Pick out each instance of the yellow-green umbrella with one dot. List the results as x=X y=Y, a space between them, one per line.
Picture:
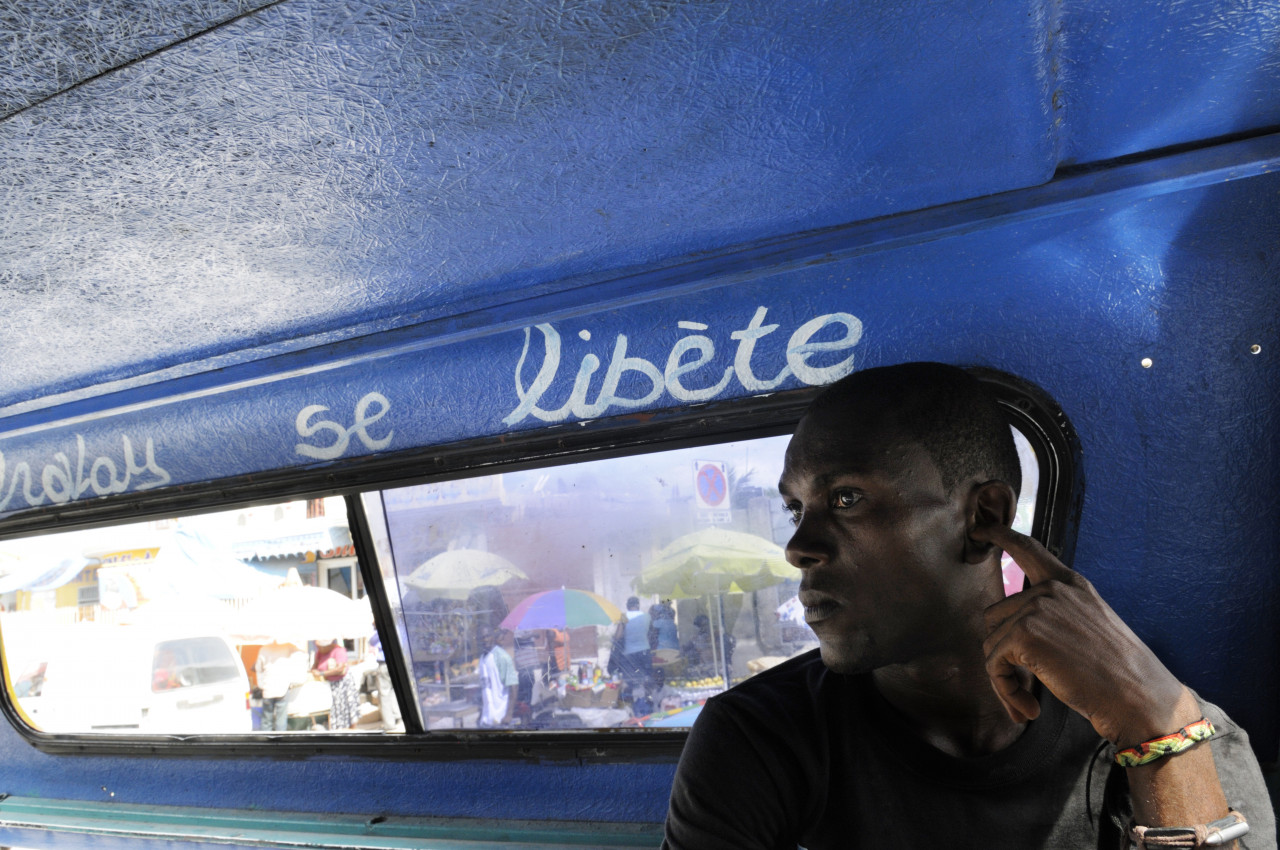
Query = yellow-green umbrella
x=715 y=561
x=712 y=562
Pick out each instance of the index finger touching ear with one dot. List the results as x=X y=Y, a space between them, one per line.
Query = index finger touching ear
x=1036 y=561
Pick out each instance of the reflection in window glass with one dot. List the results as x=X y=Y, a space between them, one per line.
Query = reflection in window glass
x=611 y=593
x=1025 y=516
x=233 y=622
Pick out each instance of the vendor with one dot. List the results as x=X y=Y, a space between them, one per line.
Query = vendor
x=633 y=634
x=331 y=665
x=662 y=628
x=498 y=680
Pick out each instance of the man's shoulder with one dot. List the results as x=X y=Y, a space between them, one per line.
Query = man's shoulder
x=802 y=667
x=795 y=686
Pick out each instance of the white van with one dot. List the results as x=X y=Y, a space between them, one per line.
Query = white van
x=136 y=680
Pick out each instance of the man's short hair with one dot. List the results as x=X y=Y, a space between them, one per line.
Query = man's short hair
x=633 y=603
x=942 y=408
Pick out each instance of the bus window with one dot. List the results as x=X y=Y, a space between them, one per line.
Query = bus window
x=235 y=622
x=1024 y=519
x=606 y=593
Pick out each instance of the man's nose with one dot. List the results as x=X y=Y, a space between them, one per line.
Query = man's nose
x=806 y=549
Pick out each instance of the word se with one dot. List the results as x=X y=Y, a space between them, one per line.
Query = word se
x=307 y=429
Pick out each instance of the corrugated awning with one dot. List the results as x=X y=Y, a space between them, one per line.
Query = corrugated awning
x=298 y=542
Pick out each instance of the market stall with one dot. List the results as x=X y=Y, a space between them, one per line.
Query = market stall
x=585 y=692
x=711 y=563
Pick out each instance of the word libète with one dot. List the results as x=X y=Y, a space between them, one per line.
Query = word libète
x=677 y=375
x=61 y=482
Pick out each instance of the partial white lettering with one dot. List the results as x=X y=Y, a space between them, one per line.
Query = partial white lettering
x=61 y=482
x=542 y=382
x=675 y=369
x=799 y=348
x=747 y=338
x=336 y=446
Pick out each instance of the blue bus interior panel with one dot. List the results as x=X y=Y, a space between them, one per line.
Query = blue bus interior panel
x=362 y=165
x=240 y=238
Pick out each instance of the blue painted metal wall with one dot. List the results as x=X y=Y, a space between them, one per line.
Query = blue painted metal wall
x=373 y=210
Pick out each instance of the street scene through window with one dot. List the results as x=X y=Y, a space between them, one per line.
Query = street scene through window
x=609 y=593
x=242 y=621
x=617 y=593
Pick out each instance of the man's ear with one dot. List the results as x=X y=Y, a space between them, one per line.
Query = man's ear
x=989 y=503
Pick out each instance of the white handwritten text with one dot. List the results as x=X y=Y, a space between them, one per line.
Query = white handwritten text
x=61 y=481
x=676 y=378
x=342 y=436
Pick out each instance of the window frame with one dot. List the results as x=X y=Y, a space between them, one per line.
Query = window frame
x=1038 y=416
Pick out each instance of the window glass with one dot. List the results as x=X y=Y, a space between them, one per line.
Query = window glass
x=241 y=621
x=609 y=593
x=189 y=662
x=1024 y=519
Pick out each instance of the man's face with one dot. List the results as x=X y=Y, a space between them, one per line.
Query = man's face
x=878 y=540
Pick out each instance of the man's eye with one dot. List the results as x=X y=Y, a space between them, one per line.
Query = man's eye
x=794 y=510
x=845 y=499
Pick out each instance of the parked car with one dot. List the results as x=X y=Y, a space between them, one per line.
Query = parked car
x=132 y=679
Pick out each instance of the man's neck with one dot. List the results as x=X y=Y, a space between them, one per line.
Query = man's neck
x=949 y=703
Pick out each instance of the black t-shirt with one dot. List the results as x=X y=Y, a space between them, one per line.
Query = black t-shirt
x=801 y=756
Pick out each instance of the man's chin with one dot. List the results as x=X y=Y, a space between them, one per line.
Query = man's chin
x=841 y=657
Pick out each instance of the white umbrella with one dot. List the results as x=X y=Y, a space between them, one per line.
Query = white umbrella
x=457 y=572
x=179 y=613
x=297 y=613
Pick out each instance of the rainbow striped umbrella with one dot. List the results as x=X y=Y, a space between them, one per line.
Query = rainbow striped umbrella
x=566 y=608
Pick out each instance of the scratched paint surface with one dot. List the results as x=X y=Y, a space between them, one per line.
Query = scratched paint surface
x=59 y=43
x=1146 y=75
x=319 y=168
x=316 y=165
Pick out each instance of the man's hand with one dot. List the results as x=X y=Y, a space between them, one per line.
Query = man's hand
x=1060 y=630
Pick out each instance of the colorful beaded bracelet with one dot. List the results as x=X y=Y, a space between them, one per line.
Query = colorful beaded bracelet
x=1168 y=745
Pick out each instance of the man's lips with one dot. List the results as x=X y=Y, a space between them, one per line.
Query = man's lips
x=817 y=607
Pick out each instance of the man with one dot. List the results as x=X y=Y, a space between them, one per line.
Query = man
x=388 y=705
x=498 y=680
x=632 y=635
x=280 y=666
x=936 y=711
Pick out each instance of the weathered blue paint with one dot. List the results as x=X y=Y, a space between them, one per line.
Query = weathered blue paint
x=63 y=43
x=762 y=321
x=315 y=203
x=1122 y=284
x=315 y=164
x=1150 y=74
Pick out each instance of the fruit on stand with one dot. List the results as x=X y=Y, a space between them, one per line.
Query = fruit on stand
x=705 y=682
